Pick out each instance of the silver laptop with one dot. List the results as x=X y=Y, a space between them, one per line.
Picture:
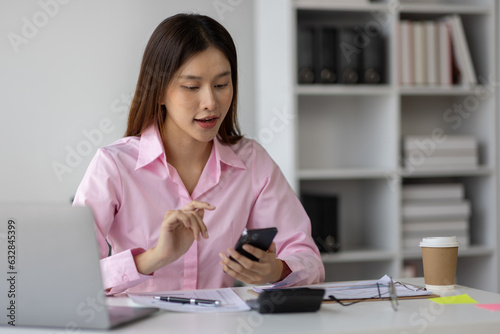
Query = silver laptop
x=50 y=274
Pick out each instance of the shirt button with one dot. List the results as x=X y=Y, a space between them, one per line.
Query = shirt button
x=124 y=278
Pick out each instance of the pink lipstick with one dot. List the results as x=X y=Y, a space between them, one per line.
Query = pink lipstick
x=207 y=122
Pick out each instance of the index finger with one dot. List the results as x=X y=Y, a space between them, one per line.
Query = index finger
x=197 y=205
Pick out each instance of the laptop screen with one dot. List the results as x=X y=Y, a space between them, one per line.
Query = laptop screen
x=50 y=256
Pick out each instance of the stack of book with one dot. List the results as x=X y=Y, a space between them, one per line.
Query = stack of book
x=450 y=152
x=435 y=210
x=435 y=53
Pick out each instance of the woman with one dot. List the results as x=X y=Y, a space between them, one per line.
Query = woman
x=173 y=196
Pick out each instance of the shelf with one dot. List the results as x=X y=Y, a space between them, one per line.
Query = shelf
x=376 y=173
x=358 y=256
x=346 y=141
x=438 y=90
x=445 y=9
x=480 y=171
x=469 y=251
x=344 y=173
x=339 y=6
x=332 y=89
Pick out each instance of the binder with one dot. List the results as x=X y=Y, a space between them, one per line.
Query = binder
x=323 y=213
x=348 y=57
x=420 y=53
x=305 y=54
x=327 y=55
x=461 y=50
x=432 y=55
x=373 y=60
x=445 y=55
x=407 y=54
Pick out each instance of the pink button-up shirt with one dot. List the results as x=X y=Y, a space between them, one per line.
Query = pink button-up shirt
x=129 y=185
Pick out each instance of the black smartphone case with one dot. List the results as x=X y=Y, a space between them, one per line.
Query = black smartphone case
x=288 y=300
x=260 y=238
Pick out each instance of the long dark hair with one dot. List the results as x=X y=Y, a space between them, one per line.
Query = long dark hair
x=174 y=41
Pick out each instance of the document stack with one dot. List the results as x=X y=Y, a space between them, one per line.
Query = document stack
x=435 y=210
x=435 y=53
x=449 y=152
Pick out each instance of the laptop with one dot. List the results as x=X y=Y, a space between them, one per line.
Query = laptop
x=51 y=277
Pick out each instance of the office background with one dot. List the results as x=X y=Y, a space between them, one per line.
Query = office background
x=68 y=71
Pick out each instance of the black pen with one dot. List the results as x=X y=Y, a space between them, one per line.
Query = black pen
x=193 y=301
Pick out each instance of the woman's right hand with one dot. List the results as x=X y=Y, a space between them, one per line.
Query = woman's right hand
x=178 y=231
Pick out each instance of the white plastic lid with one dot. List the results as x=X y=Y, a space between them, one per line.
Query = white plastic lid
x=439 y=242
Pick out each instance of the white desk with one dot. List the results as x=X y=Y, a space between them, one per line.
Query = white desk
x=413 y=316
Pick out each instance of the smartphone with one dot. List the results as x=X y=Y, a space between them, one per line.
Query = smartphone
x=260 y=238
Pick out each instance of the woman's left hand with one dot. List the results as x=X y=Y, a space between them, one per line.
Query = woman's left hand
x=267 y=270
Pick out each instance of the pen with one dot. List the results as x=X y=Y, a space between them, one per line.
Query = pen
x=193 y=301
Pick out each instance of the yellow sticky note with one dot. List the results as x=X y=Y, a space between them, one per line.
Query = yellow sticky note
x=460 y=299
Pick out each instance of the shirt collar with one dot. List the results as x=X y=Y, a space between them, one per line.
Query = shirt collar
x=225 y=154
x=151 y=147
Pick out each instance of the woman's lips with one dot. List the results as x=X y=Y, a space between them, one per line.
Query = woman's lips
x=207 y=122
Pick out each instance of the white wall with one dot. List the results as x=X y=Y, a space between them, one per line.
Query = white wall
x=67 y=72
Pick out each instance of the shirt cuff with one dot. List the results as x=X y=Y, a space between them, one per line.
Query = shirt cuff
x=306 y=269
x=119 y=271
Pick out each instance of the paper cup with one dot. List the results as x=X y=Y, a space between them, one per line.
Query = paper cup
x=439 y=256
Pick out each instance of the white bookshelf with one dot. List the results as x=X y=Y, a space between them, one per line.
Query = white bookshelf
x=347 y=139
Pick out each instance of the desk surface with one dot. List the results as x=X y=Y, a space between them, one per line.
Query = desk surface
x=413 y=316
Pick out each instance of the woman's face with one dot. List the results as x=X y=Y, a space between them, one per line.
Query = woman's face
x=198 y=97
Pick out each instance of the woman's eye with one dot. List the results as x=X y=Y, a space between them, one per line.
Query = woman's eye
x=221 y=85
x=190 y=87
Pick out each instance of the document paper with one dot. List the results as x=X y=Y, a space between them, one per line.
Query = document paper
x=369 y=289
x=363 y=289
x=230 y=301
